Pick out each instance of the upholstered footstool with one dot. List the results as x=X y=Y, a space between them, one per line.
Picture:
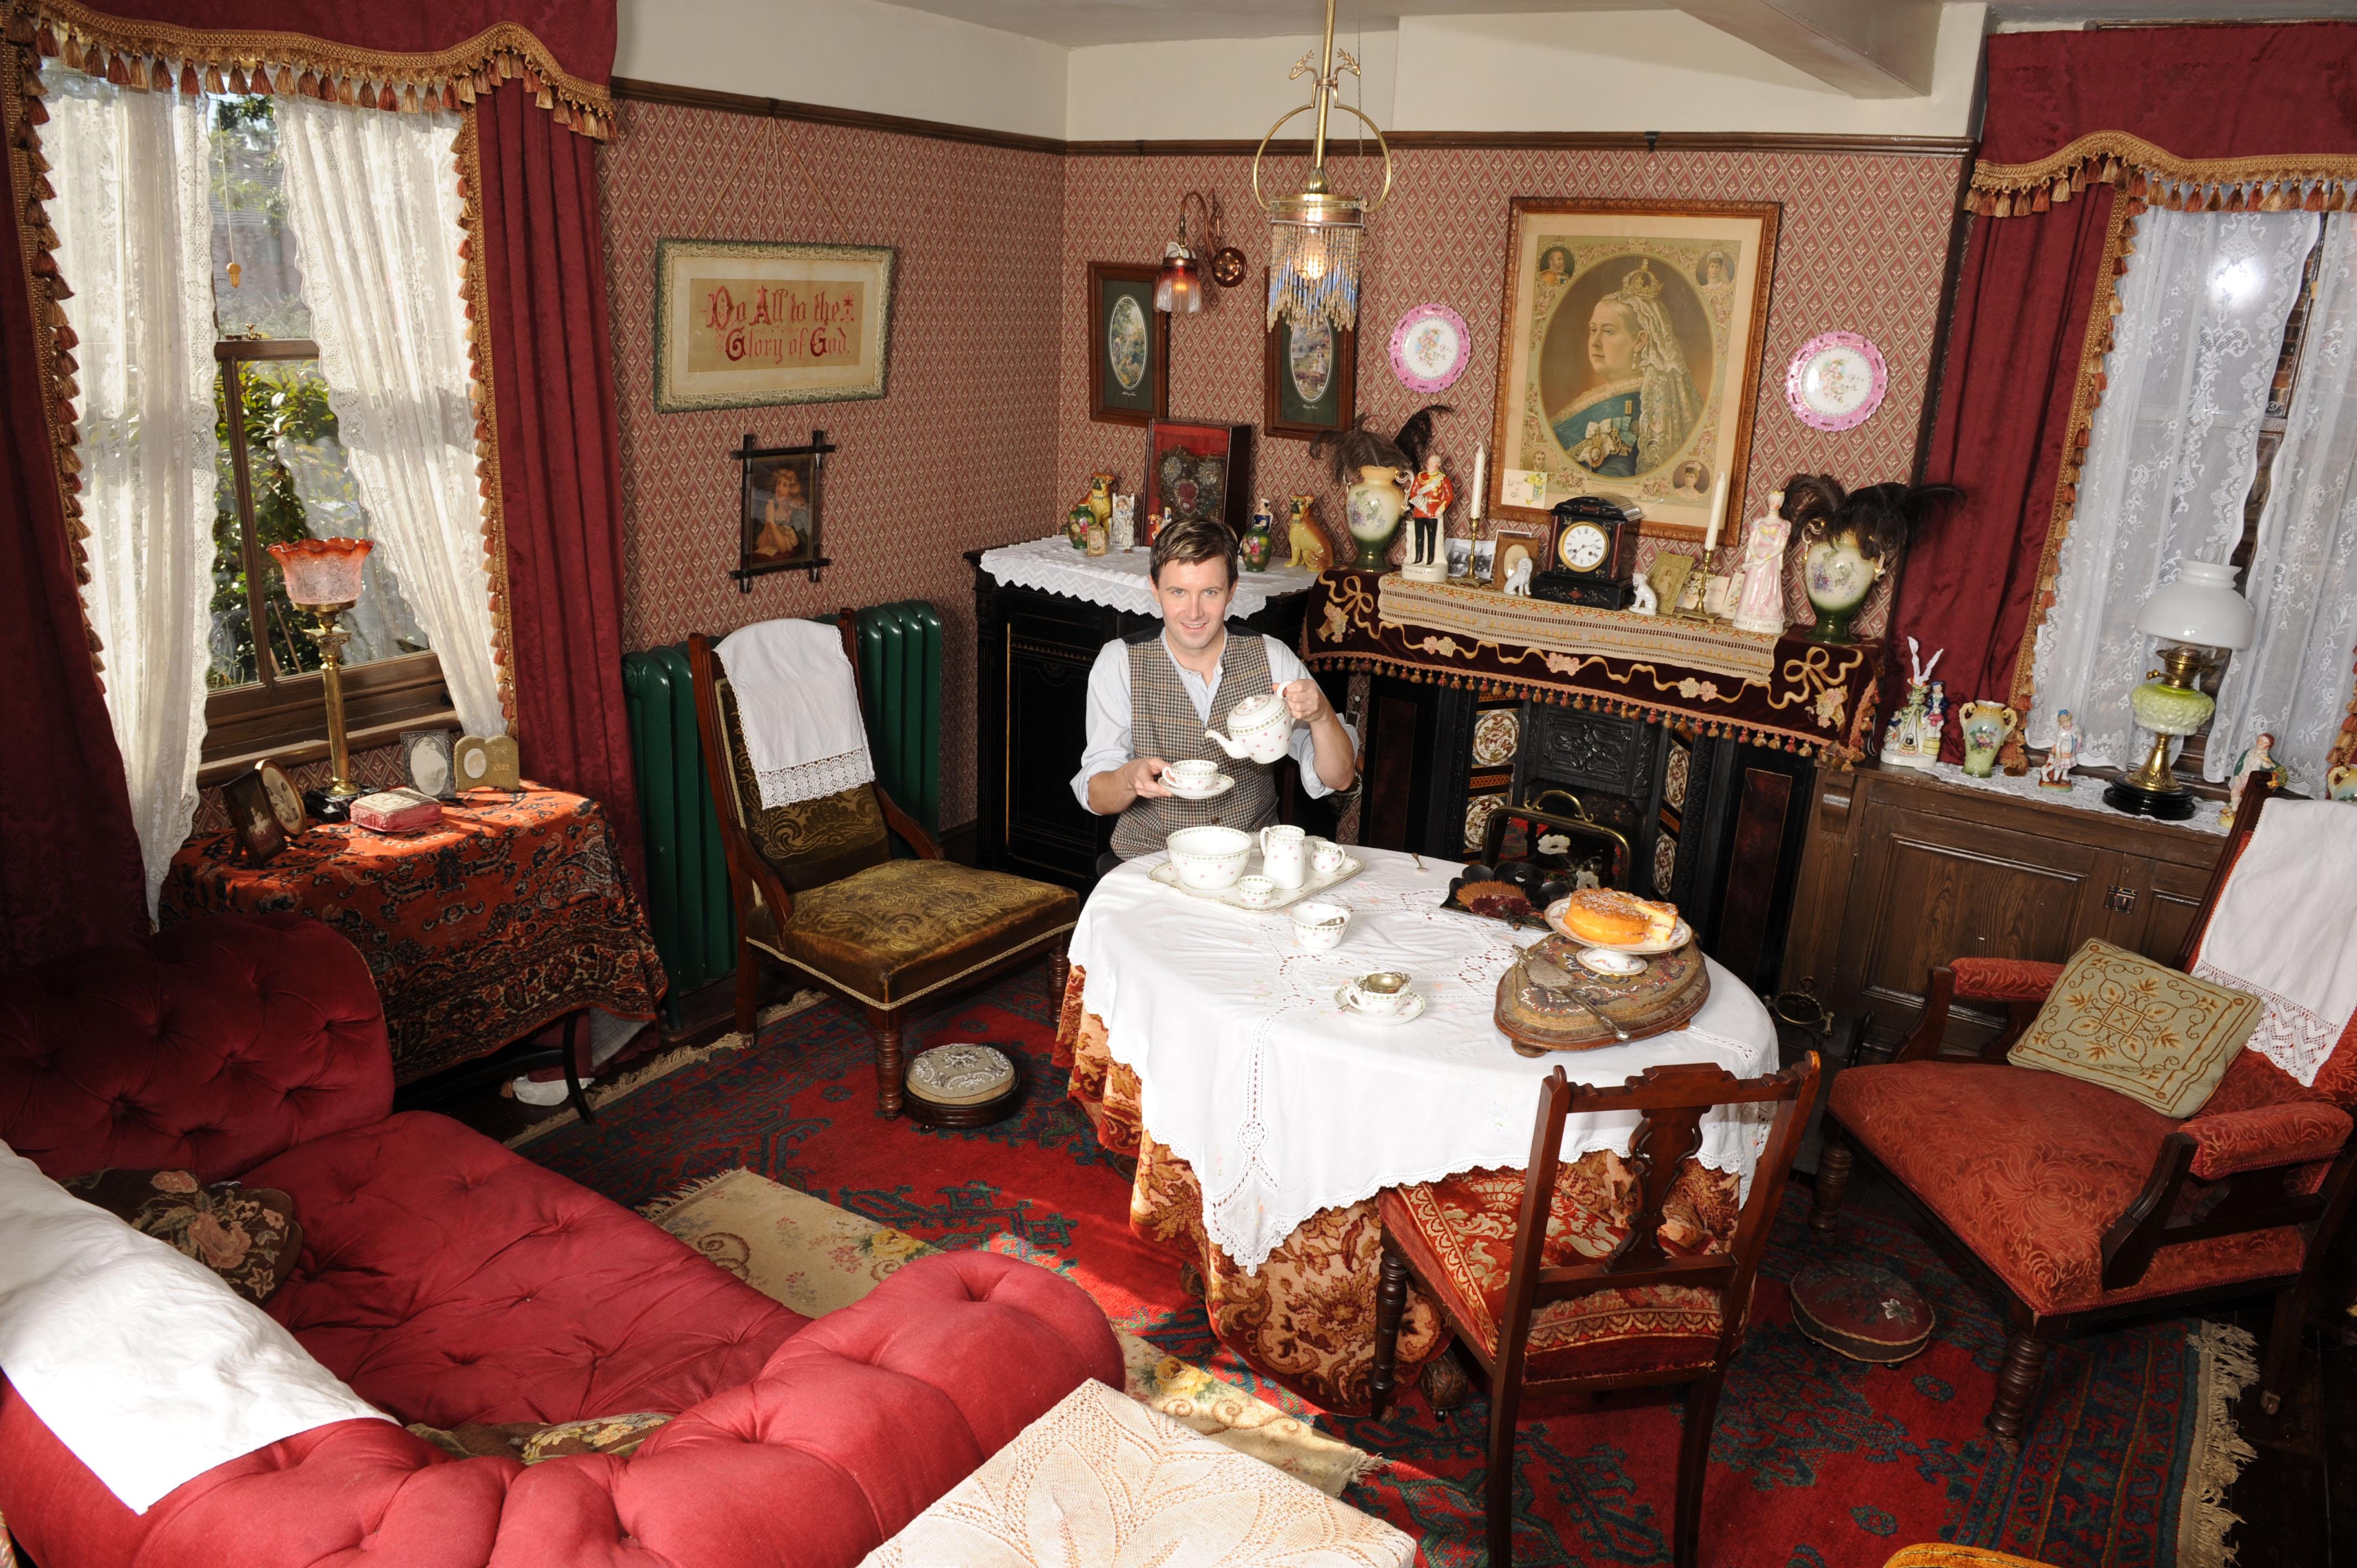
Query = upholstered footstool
x=1102 y=1479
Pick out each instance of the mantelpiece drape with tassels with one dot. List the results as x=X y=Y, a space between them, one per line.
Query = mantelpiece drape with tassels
x=2084 y=129
x=545 y=442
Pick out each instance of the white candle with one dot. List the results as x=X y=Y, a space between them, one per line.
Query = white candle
x=1480 y=481
x=1718 y=509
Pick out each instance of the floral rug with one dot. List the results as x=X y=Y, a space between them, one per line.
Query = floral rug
x=1817 y=1462
x=815 y=1257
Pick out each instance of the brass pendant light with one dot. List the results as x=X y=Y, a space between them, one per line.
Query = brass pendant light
x=1313 y=251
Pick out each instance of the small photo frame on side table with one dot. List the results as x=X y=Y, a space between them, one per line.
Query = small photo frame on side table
x=488 y=763
x=1129 y=345
x=260 y=804
x=431 y=771
x=1527 y=547
x=779 y=520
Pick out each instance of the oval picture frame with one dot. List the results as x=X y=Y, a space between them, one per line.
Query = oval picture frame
x=1835 y=381
x=1411 y=360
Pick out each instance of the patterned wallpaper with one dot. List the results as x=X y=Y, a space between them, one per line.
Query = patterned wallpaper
x=959 y=455
x=986 y=437
x=1863 y=247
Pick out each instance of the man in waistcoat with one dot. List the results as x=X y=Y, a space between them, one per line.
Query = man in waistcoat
x=1153 y=694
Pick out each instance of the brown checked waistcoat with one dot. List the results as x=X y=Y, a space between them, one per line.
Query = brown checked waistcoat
x=1162 y=723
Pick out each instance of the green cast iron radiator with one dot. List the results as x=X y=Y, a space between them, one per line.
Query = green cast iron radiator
x=688 y=877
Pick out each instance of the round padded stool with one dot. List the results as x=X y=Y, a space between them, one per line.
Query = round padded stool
x=1862 y=1311
x=961 y=1085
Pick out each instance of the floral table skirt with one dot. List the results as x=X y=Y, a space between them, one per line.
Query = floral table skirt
x=511 y=912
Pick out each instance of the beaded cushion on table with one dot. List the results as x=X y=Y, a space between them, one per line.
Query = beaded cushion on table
x=1459 y=1234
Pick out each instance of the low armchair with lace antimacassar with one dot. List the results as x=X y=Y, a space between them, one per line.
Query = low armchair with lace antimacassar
x=2082 y=1203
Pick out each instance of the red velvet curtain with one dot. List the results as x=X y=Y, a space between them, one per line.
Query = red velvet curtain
x=2016 y=340
x=559 y=450
x=70 y=871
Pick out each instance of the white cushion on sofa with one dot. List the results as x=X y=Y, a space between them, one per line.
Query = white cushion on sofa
x=142 y=1361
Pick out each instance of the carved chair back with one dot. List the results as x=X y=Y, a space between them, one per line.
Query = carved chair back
x=1670 y=1102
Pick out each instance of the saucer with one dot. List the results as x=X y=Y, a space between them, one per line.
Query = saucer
x=1219 y=788
x=1414 y=1010
x=1608 y=962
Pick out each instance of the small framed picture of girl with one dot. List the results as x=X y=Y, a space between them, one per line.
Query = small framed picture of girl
x=778 y=526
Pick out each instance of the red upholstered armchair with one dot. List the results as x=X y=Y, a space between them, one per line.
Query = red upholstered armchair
x=2081 y=1203
x=448 y=1280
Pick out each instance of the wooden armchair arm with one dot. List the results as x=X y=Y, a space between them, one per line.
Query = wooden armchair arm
x=1940 y=992
x=2247 y=1196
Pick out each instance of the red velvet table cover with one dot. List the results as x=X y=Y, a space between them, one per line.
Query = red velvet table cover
x=506 y=915
x=1819 y=699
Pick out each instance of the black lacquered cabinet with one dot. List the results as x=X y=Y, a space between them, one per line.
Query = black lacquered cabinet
x=1034 y=651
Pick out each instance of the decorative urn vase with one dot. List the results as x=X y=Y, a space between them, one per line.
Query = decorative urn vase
x=1375 y=505
x=1839 y=578
x=1077 y=523
x=1986 y=727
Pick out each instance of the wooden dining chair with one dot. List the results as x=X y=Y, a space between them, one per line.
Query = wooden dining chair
x=818 y=891
x=1544 y=1314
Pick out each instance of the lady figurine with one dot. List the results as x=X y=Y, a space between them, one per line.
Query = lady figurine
x=1122 y=530
x=1427 y=503
x=1761 y=607
x=2065 y=756
x=2257 y=757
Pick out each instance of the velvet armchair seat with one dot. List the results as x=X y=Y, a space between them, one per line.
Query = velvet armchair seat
x=2081 y=1203
x=448 y=1280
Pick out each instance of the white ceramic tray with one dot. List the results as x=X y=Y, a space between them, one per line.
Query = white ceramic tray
x=1317 y=882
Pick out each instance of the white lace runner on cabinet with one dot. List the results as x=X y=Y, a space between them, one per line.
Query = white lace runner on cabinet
x=1284 y=1105
x=2171 y=454
x=1119 y=581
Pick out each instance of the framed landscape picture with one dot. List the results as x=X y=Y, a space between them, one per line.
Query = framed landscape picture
x=743 y=324
x=1129 y=345
x=1630 y=361
x=1312 y=372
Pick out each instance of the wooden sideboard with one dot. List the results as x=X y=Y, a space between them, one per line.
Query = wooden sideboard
x=1904 y=870
x=1035 y=649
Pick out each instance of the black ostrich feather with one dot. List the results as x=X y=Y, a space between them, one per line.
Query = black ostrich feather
x=1884 y=517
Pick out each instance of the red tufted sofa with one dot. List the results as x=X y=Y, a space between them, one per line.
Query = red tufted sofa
x=448 y=1280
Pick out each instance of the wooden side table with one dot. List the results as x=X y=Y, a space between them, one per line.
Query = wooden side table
x=512 y=912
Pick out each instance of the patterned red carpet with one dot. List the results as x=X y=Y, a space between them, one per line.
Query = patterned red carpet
x=1818 y=1462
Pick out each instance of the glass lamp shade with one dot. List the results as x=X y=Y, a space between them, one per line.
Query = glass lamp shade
x=1313 y=260
x=1179 y=286
x=323 y=572
x=2201 y=609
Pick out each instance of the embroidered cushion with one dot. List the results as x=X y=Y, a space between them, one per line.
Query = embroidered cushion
x=530 y=1443
x=247 y=1235
x=1458 y=1233
x=2140 y=1028
x=810 y=842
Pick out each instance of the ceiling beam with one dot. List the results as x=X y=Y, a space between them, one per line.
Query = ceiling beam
x=1867 y=49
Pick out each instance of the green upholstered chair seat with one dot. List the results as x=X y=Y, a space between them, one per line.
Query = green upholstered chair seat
x=891 y=932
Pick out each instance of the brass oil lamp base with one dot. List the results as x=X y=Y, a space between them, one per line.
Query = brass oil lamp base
x=2168 y=705
x=333 y=802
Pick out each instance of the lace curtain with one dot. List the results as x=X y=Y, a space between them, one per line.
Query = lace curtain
x=2170 y=454
x=373 y=201
x=135 y=236
x=2293 y=682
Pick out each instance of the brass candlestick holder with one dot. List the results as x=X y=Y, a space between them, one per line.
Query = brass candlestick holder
x=340 y=791
x=323 y=576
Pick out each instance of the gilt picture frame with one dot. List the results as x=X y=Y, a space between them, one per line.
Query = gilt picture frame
x=1129 y=346
x=751 y=324
x=1630 y=357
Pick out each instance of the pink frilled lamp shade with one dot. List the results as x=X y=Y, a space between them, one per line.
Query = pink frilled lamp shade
x=323 y=573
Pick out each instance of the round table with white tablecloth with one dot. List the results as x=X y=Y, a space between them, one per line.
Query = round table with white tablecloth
x=1264 y=1117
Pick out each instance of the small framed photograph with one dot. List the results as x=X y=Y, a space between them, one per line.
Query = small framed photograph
x=431 y=772
x=1485 y=551
x=1460 y=555
x=1520 y=552
x=1129 y=345
x=779 y=514
x=285 y=801
x=1311 y=375
x=253 y=816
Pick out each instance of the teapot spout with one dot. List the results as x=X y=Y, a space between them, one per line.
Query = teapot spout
x=1231 y=747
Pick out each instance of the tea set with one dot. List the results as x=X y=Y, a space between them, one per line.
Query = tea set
x=1197 y=780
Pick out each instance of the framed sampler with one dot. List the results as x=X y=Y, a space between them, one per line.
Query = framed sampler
x=748 y=324
x=1129 y=345
x=1629 y=366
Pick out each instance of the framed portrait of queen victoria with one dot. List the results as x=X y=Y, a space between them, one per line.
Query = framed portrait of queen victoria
x=1630 y=364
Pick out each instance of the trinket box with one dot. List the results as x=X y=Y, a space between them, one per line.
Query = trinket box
x=396 y=810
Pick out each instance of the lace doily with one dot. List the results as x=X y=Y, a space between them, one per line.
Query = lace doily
x=1120 y=581
x=814 y=781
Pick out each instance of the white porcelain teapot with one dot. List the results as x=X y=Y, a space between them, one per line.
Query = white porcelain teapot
x=1260 y=726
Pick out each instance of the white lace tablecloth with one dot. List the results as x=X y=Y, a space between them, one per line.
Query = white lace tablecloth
x=1284 y=1104
x=1120 y=580
x=2086 y=793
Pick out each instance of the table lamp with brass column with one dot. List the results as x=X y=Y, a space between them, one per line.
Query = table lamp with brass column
x=323 y=575
x=2197 y=617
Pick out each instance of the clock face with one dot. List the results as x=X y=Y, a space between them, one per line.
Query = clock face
x=1582 y=547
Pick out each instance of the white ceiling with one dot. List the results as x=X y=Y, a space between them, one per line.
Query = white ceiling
x=1080 y=22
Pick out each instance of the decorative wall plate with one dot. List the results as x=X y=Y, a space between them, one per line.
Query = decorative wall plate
x=1835 y=381
x=1430 y=348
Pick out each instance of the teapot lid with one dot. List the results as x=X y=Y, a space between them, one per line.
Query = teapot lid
x=1256 y=706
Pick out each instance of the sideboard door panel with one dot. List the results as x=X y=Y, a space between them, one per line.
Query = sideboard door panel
x=1931 y=888
x=1048 y=831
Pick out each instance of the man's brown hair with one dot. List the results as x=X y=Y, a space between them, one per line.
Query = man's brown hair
x=1197 y=539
